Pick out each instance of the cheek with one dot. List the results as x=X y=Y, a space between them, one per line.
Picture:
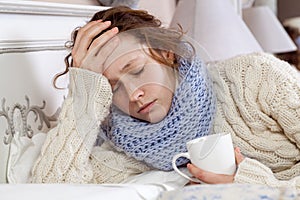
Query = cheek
x=122 y=102
x=168 y=97
x=163 y=77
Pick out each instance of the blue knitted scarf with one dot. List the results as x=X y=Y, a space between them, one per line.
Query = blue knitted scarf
x=190 y=116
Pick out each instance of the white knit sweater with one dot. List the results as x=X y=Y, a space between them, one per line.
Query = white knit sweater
x=258 y=102
x=69 y=154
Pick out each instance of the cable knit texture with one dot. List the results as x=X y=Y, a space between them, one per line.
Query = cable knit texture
x=258 y=102
x=68 y=154
x=254 y=172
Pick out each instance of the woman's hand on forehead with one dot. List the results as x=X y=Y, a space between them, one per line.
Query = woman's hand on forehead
x=89 y=52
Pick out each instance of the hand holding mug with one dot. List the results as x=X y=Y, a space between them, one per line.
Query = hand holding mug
x=212 y=153
x=213 y=178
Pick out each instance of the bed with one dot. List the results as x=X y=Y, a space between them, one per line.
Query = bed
x=32 y=41
x=32 y=49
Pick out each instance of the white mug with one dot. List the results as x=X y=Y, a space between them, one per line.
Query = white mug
x=214 y=153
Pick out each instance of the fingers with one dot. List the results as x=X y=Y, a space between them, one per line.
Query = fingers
x=209 y=177
x=212 y=178
x=238 y=155
x=96 y=58
x=86 y=34
x=106 y=51
x=100 y=41
x=84 y=38
x=104 y=45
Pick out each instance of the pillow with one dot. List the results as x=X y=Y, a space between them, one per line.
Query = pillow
x=23 y=153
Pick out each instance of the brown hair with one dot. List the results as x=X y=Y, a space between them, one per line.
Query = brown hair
x=156 y=37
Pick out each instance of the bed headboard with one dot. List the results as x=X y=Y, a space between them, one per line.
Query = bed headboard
x=32 y=51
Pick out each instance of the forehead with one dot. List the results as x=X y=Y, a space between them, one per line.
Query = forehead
x=128 y=47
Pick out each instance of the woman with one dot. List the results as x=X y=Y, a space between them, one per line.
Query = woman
x=161 y=97
x=143 y=123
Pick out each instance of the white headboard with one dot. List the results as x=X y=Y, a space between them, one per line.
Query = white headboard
x=32 y=51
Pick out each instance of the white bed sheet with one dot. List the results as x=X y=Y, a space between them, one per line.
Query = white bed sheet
x=79 y=192
x=143 y=192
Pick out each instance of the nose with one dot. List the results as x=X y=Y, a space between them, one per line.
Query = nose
x=134 y=92
x=136 y=95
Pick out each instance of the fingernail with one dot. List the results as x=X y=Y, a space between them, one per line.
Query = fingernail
x=107 y=23
x=115 y=29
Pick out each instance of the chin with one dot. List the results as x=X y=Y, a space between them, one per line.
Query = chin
x=156 y=117
x=151 y=119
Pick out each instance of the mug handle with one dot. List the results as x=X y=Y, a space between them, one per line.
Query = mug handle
x=185 y=155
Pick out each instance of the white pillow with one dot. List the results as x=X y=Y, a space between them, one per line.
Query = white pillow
x=23 y=153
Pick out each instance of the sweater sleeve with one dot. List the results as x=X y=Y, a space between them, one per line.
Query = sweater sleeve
x=262 y=112
x=284 y=108
x=286 y=103
x=253 y=172
x=68 y=154
x=283 y=83
x=281 y=101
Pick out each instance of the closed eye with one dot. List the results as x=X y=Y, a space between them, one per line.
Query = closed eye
x=138 y=71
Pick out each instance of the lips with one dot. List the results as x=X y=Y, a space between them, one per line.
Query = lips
x=146 y=108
